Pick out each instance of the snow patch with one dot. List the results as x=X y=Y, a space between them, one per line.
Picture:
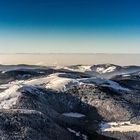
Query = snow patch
x=78 y=134
x=73 y=131
x=105 y=70
x=119 y=126
x=73 y=114
x=125 y=75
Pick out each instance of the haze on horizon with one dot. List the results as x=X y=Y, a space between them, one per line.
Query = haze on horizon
x=56 y=59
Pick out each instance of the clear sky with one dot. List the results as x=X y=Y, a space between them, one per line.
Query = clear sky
x=69 y=26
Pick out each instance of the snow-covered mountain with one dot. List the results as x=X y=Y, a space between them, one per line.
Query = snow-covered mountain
x=70 y=103
x=103 y=70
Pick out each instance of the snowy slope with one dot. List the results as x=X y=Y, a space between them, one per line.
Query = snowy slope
x=55 y=82
x=9 y=97
x=104 y=83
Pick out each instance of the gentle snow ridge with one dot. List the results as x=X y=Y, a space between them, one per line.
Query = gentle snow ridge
x=61 y=83
x=54 y=82
x=104 y=83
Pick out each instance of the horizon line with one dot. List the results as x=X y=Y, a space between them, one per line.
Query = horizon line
x=63 y=53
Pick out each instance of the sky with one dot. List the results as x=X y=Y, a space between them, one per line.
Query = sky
x=69 y=26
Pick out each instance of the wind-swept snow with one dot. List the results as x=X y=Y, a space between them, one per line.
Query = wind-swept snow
x=9 y=97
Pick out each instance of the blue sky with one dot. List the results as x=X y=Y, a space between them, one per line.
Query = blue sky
x=71 y=26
